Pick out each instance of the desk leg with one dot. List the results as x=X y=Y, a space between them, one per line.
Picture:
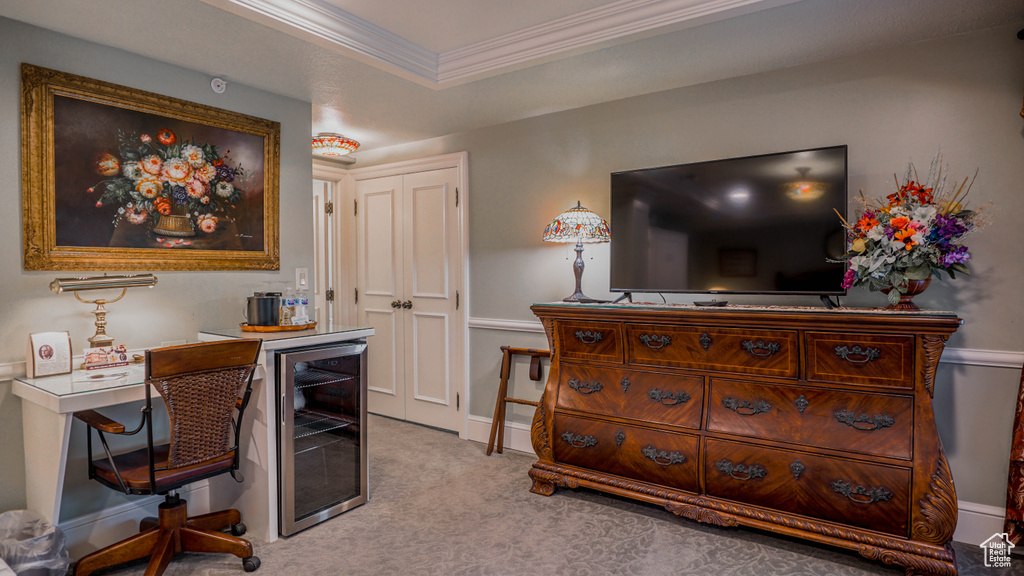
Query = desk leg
x=47 y=434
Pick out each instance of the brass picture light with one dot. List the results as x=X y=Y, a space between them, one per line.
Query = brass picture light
x=124 y=282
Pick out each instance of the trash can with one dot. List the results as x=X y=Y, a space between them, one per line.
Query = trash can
x=31 y=546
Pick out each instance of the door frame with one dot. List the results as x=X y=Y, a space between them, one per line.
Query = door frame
x=344 y=235
x=347 y=251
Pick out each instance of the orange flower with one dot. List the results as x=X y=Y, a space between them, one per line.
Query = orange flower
x=899 y=222
x=867 y=222
x=907 y=237
x=166 y=137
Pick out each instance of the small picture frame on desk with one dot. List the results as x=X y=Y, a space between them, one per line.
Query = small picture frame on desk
x=49 y=353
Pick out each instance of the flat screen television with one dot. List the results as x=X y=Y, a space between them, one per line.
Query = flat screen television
x=762 y=224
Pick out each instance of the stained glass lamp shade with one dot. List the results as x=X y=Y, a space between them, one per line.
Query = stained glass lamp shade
x=578 y=225
x=329 y=144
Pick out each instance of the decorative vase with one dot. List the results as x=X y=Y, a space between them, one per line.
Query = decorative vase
x=914 y=287
x=176 y=224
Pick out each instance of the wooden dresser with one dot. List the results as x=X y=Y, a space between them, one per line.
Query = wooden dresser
x=805 y=422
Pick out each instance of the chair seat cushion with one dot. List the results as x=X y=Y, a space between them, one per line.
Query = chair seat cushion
x=134 y=468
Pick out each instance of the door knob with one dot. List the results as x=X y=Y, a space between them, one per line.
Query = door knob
x=407 y=304
x=396 y=303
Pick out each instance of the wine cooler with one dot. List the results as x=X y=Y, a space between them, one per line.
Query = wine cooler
x=322 y=435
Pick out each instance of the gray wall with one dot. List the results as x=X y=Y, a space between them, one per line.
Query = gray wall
x=183 y=303
x=961 y=94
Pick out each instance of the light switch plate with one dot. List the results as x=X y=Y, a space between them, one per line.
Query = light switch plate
x=302 y=278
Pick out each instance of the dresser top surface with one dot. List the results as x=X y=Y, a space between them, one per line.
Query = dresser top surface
x=748 y=308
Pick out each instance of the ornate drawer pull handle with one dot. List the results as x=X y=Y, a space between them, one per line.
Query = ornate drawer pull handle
x=589 y=337
x=866 y=354
x=668 y=398
x=741 y=472
x=801 y=403
x=860 y=494
x=585 y=387
x=625 y=383
x=768 y=348
x=620 y=437
x=705 y=341
x=797 y=468
x=579 y=441
x=651 y=339
x=661 y=457
x=744 y=407
x=864 y=421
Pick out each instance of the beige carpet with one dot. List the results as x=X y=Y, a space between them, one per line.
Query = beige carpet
x=440 y=507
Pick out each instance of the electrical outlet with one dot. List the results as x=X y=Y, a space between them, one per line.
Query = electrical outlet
x=302 y=278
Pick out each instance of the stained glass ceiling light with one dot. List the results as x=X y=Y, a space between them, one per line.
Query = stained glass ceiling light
x=578 y=225
x=330 y=144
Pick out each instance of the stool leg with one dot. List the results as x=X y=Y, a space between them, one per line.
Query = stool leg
x=498 y=423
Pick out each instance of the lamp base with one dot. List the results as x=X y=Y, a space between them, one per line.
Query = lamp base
x=582 y=299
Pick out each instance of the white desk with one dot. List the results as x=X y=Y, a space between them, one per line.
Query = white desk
x=48 y=405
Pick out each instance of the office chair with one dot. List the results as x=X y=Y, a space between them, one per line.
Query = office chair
x=206 y=388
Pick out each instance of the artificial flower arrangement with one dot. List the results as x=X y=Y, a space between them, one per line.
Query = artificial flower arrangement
x=157 y=177
x=915 y=233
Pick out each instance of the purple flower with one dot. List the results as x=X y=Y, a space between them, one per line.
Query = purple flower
x=849 y=278
x=225 y=173
x=958 y=255
x=179 y=194
x=945 y=229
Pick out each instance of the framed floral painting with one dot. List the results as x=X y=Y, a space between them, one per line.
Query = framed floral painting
x=115 y=178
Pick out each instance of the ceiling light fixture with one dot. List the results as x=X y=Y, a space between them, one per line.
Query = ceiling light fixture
x=330 y=144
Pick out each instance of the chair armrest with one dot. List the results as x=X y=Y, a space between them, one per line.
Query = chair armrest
x=100 y=422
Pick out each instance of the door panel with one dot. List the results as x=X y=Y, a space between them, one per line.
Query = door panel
x=381 y=263
x=430 y=375
x=379 y=269
x=429 y=242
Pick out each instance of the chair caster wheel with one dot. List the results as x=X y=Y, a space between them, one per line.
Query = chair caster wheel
x=251 y=564
x=238 y=530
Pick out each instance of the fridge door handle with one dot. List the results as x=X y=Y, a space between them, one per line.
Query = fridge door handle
x=284 y=408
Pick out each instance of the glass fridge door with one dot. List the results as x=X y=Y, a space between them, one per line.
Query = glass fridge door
x=322 y=439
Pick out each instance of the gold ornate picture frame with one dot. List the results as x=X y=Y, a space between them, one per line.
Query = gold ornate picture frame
x=115 y=178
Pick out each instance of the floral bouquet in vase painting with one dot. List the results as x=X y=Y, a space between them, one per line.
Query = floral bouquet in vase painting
x=177 y=186
x=917 y=232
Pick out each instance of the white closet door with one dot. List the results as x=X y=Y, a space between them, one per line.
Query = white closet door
x=431 y=280
x=380 y=283
x=408 y=246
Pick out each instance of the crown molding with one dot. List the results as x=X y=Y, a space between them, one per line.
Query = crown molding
x=597 y=26
x=348 y=31
x=589 y=29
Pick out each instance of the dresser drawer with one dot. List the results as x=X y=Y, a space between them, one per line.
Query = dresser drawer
x=769 y=352
x=649 y=396
x=590 y=340
x=665 y=458
x=878 y=360
x=865 y=495
x=876 y=424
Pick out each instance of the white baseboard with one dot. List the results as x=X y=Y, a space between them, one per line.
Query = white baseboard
x=978 y=522
x=91 y=532
x=517 y=435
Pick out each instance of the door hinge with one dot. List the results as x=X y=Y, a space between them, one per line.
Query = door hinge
x=355 y=210
x=329 y=208
x=456 y=400
x=456 y=196
x=357 y=295
x=456 y=299
x=330 y=295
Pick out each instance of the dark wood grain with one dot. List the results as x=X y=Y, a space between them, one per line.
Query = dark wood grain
x=163 y=362
x=600 y=341
x=845 y=443
x=817 y=425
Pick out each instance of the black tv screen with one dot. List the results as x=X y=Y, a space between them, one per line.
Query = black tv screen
x=754 y=225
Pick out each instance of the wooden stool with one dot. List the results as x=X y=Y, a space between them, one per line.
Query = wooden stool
x=498 y=423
